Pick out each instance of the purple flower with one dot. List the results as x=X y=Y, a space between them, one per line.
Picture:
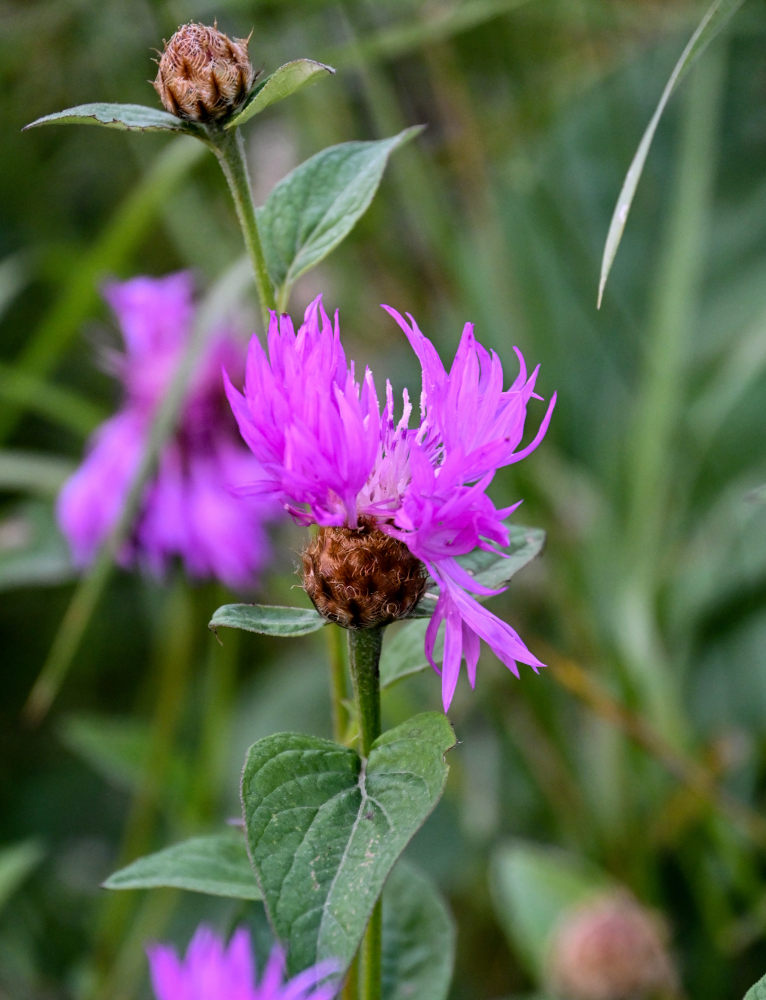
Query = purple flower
x=331 y=455
x=212 y=970
x=187 y=509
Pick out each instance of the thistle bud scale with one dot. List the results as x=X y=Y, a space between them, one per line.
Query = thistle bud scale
x=360 y=577
x=203 y=75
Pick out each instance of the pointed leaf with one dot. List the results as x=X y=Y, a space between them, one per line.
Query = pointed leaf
x=325 y=828
x=495 y=570
x=404 y=650
x=531 y=887
x=318 y=204
x=267 y=619
x=418 y=937
x=217 y=865
x=758 y=991
x=127 y=117
x=712 y=22
x=283 y=82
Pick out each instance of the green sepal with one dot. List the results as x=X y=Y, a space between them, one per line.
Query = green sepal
x=282 y=83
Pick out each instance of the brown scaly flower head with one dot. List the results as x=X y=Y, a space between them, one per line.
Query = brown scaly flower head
x=203 y=74
x=361 y=577
x=611 y=948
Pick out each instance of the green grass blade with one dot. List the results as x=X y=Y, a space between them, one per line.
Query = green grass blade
x=711 y=24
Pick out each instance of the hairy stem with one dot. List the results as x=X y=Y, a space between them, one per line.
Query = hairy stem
x=230 y=151
x=364 y=654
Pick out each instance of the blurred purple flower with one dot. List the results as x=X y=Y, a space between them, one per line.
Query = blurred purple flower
x=330 y=455
x=213 y=970
x=187 y=510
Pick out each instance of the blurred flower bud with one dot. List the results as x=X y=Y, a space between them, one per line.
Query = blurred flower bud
x=361 y=577
x=203 y=74
x=611 y=948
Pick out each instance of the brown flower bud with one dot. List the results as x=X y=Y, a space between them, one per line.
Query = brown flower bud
x=360 y=577
x=203 y=75
x=611 y=948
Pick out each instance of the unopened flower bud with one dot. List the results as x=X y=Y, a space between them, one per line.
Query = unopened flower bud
x=611 y=948
x=203 y=74
x=361 y=577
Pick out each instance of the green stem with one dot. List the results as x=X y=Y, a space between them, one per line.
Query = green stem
x=230 y=151
x=364 y=647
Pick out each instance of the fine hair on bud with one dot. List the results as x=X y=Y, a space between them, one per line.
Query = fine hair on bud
x=361 y=577
x=203 y=75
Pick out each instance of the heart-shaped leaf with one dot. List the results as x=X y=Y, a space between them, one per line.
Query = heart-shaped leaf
x=217 y=865
x=268 y=619
x=316 y=206
x=128 y=117
x=325 y=828
x=418 y=937
x=283 y=82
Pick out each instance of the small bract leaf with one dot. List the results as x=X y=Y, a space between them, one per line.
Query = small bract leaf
x=318 y=204
x=418 y=937
x=217 y=865
x=128 y=117
x=267 y=619
x=757 y=991
x=714 y=19
x=531 y=887
x=325 y=828
x=283 y=82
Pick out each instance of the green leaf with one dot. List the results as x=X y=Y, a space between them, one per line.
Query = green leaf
x=711 y=24
x=217 y=865
x=418 y=937
x=283 y=82
x=495 y=570
x=318 y=204
x=325 y=828
x=267 y=619
x=757 y=991
x=127 y=117
x=16 y=862
x=404 y=652
x=531 y=887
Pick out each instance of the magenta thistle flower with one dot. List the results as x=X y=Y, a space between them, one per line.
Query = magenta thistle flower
x=188 y=510
x=212 y=970
x=332 y=455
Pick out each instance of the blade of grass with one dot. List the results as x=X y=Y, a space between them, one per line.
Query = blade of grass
x=711 y=24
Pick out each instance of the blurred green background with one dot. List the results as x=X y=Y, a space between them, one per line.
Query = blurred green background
x=641 y=752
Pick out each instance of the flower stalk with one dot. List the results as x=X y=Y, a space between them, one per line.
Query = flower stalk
x=229 y=148
x=364 y=656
